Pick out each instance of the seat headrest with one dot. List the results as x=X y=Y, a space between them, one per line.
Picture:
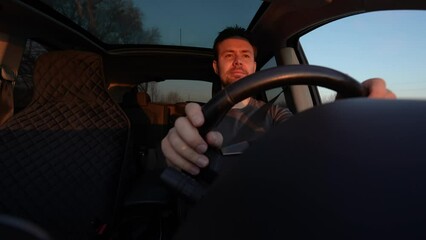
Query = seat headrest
x=143 y=98
x=67 y=75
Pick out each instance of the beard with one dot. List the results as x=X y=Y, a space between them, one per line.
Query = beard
x=234 y=74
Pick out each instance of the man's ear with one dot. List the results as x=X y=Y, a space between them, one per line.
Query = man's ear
x=254 y=66
x=215 y=67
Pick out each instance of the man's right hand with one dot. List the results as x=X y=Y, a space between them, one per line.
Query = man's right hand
x=183 y=146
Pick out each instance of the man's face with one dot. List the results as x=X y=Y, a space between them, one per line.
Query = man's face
x=235 y=60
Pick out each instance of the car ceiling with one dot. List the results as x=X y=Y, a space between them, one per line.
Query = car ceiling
x=277 y=23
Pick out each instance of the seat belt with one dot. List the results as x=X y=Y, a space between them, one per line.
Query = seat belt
x=240 y=147
x=7 y=83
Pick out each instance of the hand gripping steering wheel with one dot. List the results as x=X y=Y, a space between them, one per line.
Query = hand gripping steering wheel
x=222 y=102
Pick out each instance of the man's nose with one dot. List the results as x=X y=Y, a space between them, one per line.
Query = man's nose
x=237 y=60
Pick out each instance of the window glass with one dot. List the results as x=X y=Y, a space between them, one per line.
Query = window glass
x=173 y=91
x=386 y=44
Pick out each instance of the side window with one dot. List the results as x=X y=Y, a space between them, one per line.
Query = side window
x=23 y=90
x=386 y=44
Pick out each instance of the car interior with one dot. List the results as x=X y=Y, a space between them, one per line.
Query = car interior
x=83 y=113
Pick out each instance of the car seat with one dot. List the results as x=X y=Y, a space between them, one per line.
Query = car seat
x=150 y=204
x=62 y=157
x=150 y=123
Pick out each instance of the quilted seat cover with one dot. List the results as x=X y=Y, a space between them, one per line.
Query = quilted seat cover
x=61 y=157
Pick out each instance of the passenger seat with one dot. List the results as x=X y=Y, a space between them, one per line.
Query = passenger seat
x=150 y=124
x=158 y=115
x=149 y=201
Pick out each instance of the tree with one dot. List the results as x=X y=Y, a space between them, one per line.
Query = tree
x=331 y=97
x=143 y=87
x=112 y=21
x=172 y=97
x=153 y=91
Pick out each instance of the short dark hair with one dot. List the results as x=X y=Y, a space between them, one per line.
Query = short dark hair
x=232 y=32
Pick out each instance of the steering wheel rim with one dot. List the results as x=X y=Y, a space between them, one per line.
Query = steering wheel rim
x=215 y=109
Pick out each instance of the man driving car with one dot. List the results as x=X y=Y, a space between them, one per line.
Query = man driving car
x=235 y=55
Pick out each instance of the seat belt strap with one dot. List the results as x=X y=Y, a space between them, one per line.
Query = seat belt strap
x=258 y=116
x=261 y=112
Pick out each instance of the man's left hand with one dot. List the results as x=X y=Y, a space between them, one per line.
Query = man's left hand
x=377 y=89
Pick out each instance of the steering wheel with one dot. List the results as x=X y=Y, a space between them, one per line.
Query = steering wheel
x=222 y=102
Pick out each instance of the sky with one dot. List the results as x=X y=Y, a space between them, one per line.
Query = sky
x=387 y=44
x=220 y=13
